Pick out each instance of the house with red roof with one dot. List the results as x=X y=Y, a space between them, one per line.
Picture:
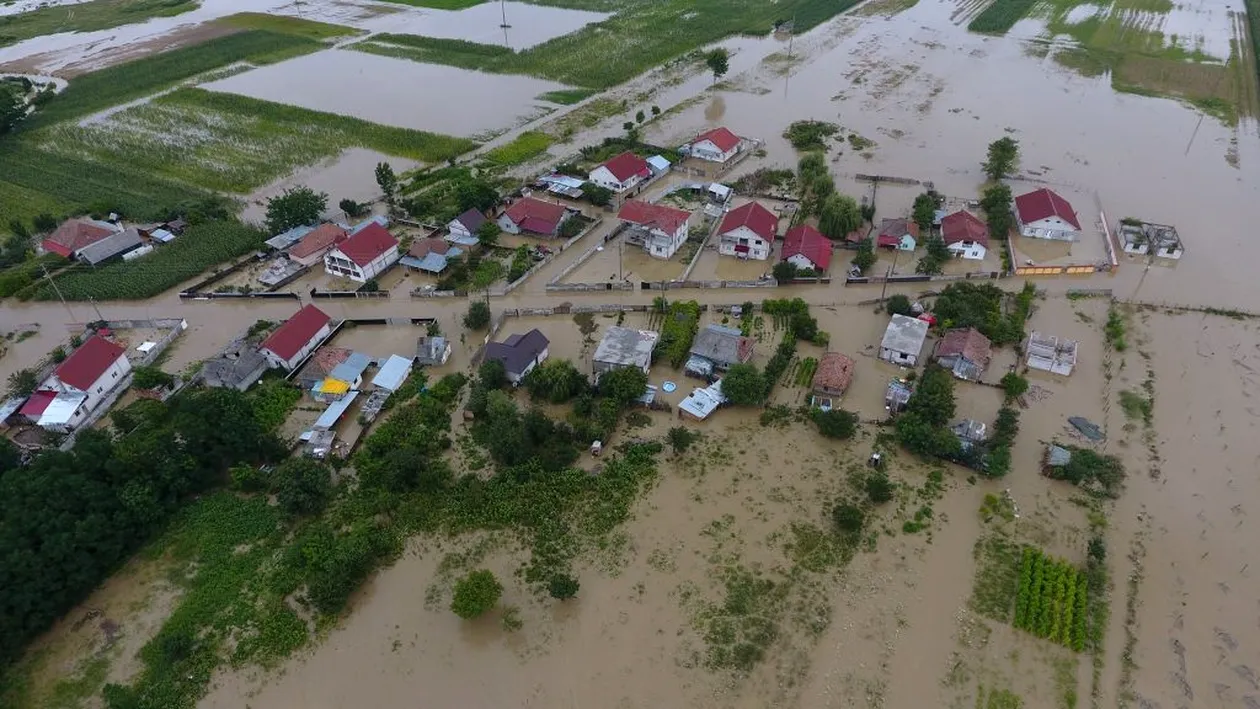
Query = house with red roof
x=296 y=338
x=364 y=255
x=1043 y=214
x=748 y=232
x=312 y=248
x=621 y=173
x=79 y=385
x=76 y=234
x=534 y=216
x=806 y=247
x=717 y=145
x=964 y=351
x=965 y=235
x=901 y=234
x=659 y=229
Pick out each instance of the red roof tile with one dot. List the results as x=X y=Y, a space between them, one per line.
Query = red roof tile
x=365 y=246
x=322 y=238
x=535 y=215
x=292 y=336
x=74 y=234
x=653 y=216
x=626 y=165
x=835 y=372
x=805 y=240
x=38 y=402
x=964 y=226
x=891 y=231
x=969 y=343
x=1043 y=203
x=721 y=137
x=86 y=364
x=760 y=220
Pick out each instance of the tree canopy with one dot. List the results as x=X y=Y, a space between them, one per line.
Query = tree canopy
x=478 y=315
x=1002 y=158
x=719 y=62
x=556 y=381
x=933 y=261
x=924 y=211
x=296 y=206
x=898 y=304
x=838 y=216
x=623 y=385
x=387 y=181
x=744 y=385
x=475 y=594
x=836 y=423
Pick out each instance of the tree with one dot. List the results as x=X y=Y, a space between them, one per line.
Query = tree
x=297 y=206
x=58 y=354
x=555 y=380
x=681 y=438
x=933 y=396
x=623 y=385
x=719 y=62
x=836 y=423
x=23 y=382
x=475 y=594
x=810 y=167
x=19 y=229
x=387 y=181
x=1014 y=385
x=303 y=485
x=838 y=216
x=491 y=375
x=848 y=518
x=1003 y=157
x=656 y=111
x=563 y=587
x=865 y=257
x=353 y=209
x=743 y=385
x=640 y=117
x=45 y=222
x=488 y=234
x=924 y=212
x=475 y=194
x=898 y=305
x=596 y=194
x=934 y=260
x=879 y=488
x=145 y=377
x=784 y=271
x=478 y=315
x=996 y=203
x=12 y=108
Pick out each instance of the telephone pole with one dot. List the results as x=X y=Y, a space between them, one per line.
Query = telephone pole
x=57 y=290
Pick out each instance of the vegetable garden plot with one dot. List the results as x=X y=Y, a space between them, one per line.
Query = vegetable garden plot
x=1051 y=600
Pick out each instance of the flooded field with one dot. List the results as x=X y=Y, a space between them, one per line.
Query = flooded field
x=345 y=176
x=312 y=81
x=528 y=24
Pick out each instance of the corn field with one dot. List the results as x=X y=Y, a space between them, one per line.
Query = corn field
x=1051 y=599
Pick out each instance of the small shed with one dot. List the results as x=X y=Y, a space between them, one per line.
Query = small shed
x=393 y=373
x=624 y=347
x=700 y=403
x=334 y=412
x=352 y=369
x=896 y=396
x=432 y=351
x=903 y=340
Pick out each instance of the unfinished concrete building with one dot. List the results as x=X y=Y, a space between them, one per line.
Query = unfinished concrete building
x=1143 y=238
x=1050 y=354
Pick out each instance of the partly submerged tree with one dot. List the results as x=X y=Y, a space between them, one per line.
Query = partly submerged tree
x=387 y=181
x=478 y=315
x=475 y=594
x=744 y=385
x=1002 y=159
x=839 y=216
x=719 y=62
x=563 y=587
x=898 y=304
x=353 y=209
x=924 y=211
x=296 y=206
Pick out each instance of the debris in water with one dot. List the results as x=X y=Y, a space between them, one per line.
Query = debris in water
x=1087 y=428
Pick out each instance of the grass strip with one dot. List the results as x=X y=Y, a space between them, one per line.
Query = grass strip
x=1000 y=16
x=86 y=17
x=283 y=24
x=525 y=146
x=439 y=4
x=566 y=97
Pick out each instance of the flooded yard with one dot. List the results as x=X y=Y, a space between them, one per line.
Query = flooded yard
x=375 y=88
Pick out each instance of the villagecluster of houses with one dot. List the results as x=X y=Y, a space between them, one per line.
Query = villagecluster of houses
x=75 y=389
x=96 y=241
x=359 y=253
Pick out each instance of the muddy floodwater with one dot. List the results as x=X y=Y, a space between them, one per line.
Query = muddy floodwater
x=343 y=176
x=528 y=25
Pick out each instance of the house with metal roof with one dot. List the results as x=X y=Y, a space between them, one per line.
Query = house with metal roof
x=528 y=215
x=965 y=352
x=805 y=247
x=393 y=373
x=238 y=366
x=465 y=226
x=316 y=243
x=659 y=229
x=716 y=348
x=965 y=235
x=366 y=254
x=519 y=353
x=700 y=403
x=748 y=232
x=1043 y=214
x=114 y=245
x=75 y=234
x=716 y=145
x=79 y=385
x=623 y=347
x=903 y=340
x=288 y=238
x=431 y=255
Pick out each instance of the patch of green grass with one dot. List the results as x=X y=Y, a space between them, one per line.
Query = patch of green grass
x=284 y=24
x=566 y=97
x=1136 y=406
x=143 y=77
x=997 y=577
x=435 y=50
x=740 y=629
x=234 y=143
x=86 y=17
x=439 y=4
x=200 y=247
x=523 y=147
x=24 y=204
x=1115 y=328
x=71 y=692
x=1000 y=16
x=997 y=699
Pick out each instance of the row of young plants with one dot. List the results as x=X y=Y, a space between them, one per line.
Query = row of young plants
x=1052 y=599
x=680 y=322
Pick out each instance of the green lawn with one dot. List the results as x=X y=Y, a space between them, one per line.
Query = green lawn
x=86 y=17
x=284 y=24
x=525 y=146
x=566 y=96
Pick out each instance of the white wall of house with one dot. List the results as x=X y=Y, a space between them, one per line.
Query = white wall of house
x=99 y=388
x=706 y=150
x=275 y=360
x=603 y=177
x=905 y=359
x=506 y=224
x=312 y=259
x=968 y=250
x=664 y=245
x=758 y=248
x=337 y=263
x=1048 y=228
x=457 y=228
x=800 y=261
x=542 y=357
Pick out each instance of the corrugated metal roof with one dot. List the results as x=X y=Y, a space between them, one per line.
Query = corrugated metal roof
x=61 y=409
x=288 y=238
x=351 y=369
x=334 y=412
x=10 y=407
x=393 y=373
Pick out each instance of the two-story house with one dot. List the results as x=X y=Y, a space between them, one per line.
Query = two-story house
x=78 y=386
x=364 y=255
x=748 y=232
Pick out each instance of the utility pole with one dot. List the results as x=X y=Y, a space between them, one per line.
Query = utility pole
x=503 y=9
x=888 y=275
x=791 y=35
x=99 y=317
x=57 y=290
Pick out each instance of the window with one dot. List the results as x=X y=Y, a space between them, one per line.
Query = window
x=113 y=375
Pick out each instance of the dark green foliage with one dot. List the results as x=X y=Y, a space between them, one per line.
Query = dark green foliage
x=865 y=257
x=475 y=594
x=478 y=315
x=879 y=488
x=343 y=562
x=743 y=385
x=386 y=180
x=1000 y=16
x=556 y=381
x=521 y=262
x=924 y=211
x=353 y=209
x=1051 y=599
x=784 y=271
x=996 y=203
x=680 y=323
x=848 y=518
x=836 y=423
x=935 y=258
x=150 y=378
x=1088 y=468
x=983 y=306
x=1003 y=156
x=303 y=485
x=475 y=194
x=624 y=385
x=718 y=61
x=839 y=215
x=562 y=587
x=810 y=135
x=296 y=206
x=1014 y=385
x=997 y=460
x=898 y=305
x=681 y=438
x=597 y=195
x=933 y=397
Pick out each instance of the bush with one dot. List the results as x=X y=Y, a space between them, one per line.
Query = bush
x=563 y=587
x=475 y=594
x=303 y=485
x=836 y=423
x=478 y=315
x=810 y=135
x=681 y=438
x=879 y=488
x=58 y=354
x=848 y=518
x=597 y=195
x=1014 y=385
x=150 y=378
x=556 y=381
x=898 y=305
x=784 y=271
x=248 y=478
x=743 y=385
x=623 y=385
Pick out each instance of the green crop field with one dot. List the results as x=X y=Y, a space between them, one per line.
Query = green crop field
x=199 y=248
x=524 y=147
x=86 y=17
x=233 y=143
x=283 y=24
x=1000 y=16
x=143 y=77
x=1051 y=600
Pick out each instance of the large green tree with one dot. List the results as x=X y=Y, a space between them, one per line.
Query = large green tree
x=475 y=594
x=719 y=62
x=838 y=216
x=744 y=385
x=924 y=211
x=387 y=181
x=1002 y=159
x=555 y=381
x=296 y=206
x=933 y=397
x=623 y=385
x=303 y=485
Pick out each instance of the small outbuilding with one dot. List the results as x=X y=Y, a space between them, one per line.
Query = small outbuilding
x=432 y=351
x=897 y=395
x=903 y=340
x=832 y=379
x=1050 y=354
x=393 y=373
x=624 y=347
x=898 y=234
x=700 y=403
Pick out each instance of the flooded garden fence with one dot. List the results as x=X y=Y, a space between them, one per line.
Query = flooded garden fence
x=589 y=287
x=220 y=296
x=586 y=255
x=315 y=293
x=708 y=285
x=422 y=293
x=197 y=288
x=924 y=278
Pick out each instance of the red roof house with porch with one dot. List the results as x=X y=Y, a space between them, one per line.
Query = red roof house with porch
x=806 y=247
x=748 y=232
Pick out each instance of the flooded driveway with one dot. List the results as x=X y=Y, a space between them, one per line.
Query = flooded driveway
x=395 y=92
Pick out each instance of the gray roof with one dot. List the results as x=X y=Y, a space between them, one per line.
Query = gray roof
x=1057 y=455
x=237 y=367
x=429 y=350
x=352 y=368
x=393 y=373
x=112 y=245
x=10 y=407
x=969 y=429
x=517 y=351
x=626 y=347
x=472 y=220
x=286 y=239
x=719 y=344
x=334 y=412
x=905 y=334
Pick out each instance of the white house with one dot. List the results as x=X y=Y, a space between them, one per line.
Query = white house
x=1043 y=214
x=519 y=353
x=363 y=256
x=903 y=340
x=748 y=232
x=806 y=248
x=621 y=173
x=296 y=338
x=965 y=236
x=717 y=145
x=78 y=385
x=659 y=229
x=465 y=226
